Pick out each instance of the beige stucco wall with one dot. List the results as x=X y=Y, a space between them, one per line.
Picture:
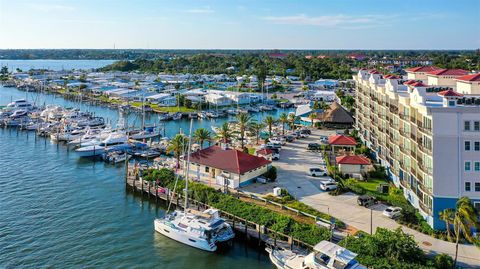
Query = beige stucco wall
x=441 y=81
x=352 y=169
x=468 y=87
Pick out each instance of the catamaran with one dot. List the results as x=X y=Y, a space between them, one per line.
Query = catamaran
x=202 y=230
x=325 y=255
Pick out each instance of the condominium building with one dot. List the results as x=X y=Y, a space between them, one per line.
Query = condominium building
x=425 y=132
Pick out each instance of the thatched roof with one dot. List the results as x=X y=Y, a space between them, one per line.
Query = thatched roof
x=336 y=114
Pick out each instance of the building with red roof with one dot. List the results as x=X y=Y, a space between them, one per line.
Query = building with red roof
x=353 y=164
x=268 y=154
x=468 y=84
x=342 y=143
x=445 y=77
x=222 y=166
x=420 y=72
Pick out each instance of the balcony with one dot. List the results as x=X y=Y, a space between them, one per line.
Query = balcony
x=425 y=189
x=427 y=170
x=425 y=130
x=424 y=149
x=393 y=109
x=403 y=116
x=425 y=208
x=404 y=150
x=404 y=133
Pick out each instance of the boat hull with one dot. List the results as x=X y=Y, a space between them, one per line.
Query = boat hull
x=182 y=237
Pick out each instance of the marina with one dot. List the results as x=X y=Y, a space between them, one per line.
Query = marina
x=81 y=179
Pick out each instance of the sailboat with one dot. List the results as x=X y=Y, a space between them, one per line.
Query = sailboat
x=202 y=230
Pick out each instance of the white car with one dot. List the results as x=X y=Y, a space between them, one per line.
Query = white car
x=317 y=172
x=328 y=186
x=392 y=212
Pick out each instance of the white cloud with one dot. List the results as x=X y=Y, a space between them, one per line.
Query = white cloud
x=204 y=10
x=327 y=21
x=50 y=7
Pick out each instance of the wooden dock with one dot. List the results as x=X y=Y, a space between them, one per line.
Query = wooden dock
x=250 y=230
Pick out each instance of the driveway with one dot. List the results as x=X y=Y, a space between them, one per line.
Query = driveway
x=293 y=175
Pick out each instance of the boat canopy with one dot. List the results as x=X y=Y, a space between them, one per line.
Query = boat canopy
x=335 y=251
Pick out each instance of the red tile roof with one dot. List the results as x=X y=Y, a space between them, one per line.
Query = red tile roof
x=354 y=159
x=374 y=72
x=230 y=160
x=473 y=77
x=450 y=93
x=342 y=140
x=389 y=76
x=409 y=82
x=448 y=72
x=422 y=69
x=418 y=84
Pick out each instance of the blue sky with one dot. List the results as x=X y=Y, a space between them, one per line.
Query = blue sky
x=243 y=24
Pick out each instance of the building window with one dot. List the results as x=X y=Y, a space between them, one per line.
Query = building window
x=207 y=169
x=467 y=145
x=476 y=125
x=468 y=186
x=467 y=166
x=477 y=186
x=466 y=125
x=476 y=205
x=477 y=166
x=477 y=146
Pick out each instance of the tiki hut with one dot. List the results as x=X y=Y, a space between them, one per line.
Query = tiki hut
x=336 y=117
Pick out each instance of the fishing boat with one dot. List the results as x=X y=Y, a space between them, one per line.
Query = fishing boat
x=202 y=230
x=164 y=117
x=325 y=255
x=177 y=116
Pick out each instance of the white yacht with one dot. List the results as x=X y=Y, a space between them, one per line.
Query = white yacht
x=201 y=230
x=325 y=255
x=19 y=104
x=95 y=148
x=197 y=229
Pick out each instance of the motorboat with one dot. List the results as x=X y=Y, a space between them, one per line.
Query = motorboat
x=116 y=157
x=19 y=104
x=325 y=255
x=164 y=117
x=212 y=114
x=202 y=230
x=177 y=116
x=146 y=133
x=202 y=115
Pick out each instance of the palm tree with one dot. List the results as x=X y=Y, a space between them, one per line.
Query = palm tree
x=224 y=133
x=201 y=135
x=291 y=121
x=243 y=120
x=312 y=117
x=284 y=120
x=447 y=216
x=256 y=129
x=465 y=218
x=269 y=121
x=177 y=146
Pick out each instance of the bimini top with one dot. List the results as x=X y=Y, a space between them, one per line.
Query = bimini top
x=335 y=251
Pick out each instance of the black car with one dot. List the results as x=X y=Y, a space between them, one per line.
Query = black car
x=313 y=146
x=306 y=131
x=289 y=138
x=366 y=200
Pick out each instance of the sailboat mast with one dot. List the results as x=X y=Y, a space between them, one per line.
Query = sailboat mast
x=188 y=165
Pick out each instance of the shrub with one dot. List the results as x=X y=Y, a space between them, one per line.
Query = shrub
x=443 y=261
x=271 y=173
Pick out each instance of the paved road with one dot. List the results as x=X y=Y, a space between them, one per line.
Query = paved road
x=292 y=175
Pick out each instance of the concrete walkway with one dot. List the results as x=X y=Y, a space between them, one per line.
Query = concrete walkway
x=293 y=176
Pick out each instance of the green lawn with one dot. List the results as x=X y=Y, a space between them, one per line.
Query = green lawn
x=172 y=109
x=371 y=184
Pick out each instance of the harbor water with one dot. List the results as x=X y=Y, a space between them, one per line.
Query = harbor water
x=60 y=211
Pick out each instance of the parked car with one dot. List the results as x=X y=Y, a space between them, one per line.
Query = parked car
x=324 y=139
x=277 y=140
x=275 y=155
x=306 y=131
x=366 y=200
x=289 y=138
x=262 y=180
x=392 y=212
x=317 y=172
x=328 y=185
x=314 y=146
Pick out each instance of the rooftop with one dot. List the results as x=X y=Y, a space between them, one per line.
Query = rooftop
x=473 y=77
x=422 y=69
x=230 y=160
x=342 y=140
x=353 y=159
x=448 y=72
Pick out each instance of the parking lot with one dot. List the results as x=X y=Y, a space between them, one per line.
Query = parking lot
x=293 y=175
